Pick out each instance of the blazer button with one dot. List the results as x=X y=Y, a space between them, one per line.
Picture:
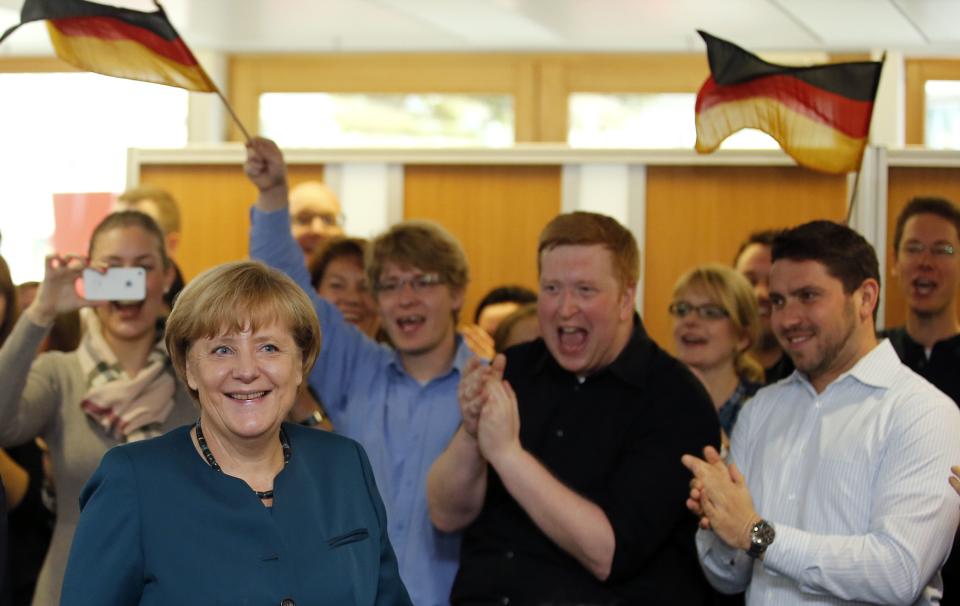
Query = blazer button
x=288 y=602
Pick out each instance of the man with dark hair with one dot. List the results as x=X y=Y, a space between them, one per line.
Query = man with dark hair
x=500 y=303
x=926 y=253
x=836 y=475
x=401 y=403
x=753 y=261
x=564 y=473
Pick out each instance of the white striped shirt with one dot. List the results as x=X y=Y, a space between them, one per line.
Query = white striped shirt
x=854 y=481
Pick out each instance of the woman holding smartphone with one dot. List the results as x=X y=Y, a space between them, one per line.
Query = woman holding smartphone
x=116 y=387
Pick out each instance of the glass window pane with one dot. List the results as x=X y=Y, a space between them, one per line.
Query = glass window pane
x=645 y=121
x=387 y=120
x=69 y=133
x=942 y=114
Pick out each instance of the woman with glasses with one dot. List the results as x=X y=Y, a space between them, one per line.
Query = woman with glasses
x=715 y=322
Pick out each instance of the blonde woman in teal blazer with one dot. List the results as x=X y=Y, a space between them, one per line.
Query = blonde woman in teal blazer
x=240 y=508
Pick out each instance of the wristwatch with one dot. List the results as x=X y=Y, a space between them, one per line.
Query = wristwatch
x=313 y=420
x=761 y=536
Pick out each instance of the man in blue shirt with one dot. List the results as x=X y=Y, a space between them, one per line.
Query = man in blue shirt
x=400 y=404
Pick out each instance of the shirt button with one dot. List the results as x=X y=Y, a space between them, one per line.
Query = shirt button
x=559 y=433
x=504 y=600
x=509 y=555
x=288 y=602
x=792 y=497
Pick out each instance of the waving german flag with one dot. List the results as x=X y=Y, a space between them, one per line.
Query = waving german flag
x=118 y=42
x=819 y=115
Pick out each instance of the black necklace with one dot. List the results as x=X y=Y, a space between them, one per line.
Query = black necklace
x=262 y=495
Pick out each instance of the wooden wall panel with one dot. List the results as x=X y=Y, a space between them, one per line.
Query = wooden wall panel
x=215 y=205
x=904 y=184
x=701 y=214
x=496 y=212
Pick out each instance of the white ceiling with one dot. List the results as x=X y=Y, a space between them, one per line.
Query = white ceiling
x=912 y=26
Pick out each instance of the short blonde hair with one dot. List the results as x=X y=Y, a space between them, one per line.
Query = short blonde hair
x=731 y=291
x=234 y=297
x=167 y=209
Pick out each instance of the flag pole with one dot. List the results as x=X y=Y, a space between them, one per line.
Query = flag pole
x=856 y=182
x=216 y=89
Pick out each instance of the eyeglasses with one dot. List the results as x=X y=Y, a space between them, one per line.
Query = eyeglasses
x=707 y=311
x=915 y=249
x=418 y=283
x=306 y=218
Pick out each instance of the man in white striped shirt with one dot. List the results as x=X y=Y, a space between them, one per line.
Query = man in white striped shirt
x=835 y=492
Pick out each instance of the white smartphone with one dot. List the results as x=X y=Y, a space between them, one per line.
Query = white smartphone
x=117 y=284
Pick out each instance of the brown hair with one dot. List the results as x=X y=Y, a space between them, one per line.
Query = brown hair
x=234 y=297
x=167 y=208
x=582 y=228
x=502 y=334
x=941 y=207
x=336 y=248
x=130 y=218
x=421 y=244
x=9 y=294
x=730 y=290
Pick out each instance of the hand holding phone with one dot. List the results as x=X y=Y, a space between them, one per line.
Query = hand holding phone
x=116 y=284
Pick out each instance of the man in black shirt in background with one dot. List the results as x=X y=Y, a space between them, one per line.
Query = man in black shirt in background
x=753 y=260
x=565 y=473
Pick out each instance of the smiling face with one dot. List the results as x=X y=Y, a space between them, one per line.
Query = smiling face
x=929 y=281
x=586 y=317
x=247 y=381
x=822 y=329
x=132 y=246
x=754 y=263
x=344 y=284
x=706 y=343
x=418 y=318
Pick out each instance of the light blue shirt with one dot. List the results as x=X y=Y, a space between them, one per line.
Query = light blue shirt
x=854 y=482
x=402 y=424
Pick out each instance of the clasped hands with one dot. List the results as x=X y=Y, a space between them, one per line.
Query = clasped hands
x=489 y=408
x=719 y=497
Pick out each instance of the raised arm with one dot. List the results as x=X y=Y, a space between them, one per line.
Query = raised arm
x=576 y=524
x=30 y=394
x=345 y=349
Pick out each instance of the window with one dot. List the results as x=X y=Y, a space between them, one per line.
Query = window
x=387 y=120
x=942 y=114
x=69 y=133
x=647 y=121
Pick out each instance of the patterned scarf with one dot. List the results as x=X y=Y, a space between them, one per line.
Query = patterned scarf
x=129 y=409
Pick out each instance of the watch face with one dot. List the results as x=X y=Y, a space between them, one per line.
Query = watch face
x=762 y=534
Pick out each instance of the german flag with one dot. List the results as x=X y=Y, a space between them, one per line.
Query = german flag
x=118 y=42
x=819 y=115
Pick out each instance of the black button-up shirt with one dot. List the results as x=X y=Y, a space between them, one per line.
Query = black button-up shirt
x=615 y=438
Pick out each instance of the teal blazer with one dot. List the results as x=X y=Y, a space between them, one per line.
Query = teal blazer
x=158 y=526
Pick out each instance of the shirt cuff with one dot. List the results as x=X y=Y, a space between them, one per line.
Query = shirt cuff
x=711 y=547
x=788 y=552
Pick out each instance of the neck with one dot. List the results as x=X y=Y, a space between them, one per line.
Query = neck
x=427 y=365
x=927 y=330
x=859 y=347
x=768 y=357
x=131 y=353
x=721 y=381
x=256 y=461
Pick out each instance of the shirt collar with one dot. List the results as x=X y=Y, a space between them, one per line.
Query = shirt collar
x=878 y=368
x=461 y=356
x=629 y=366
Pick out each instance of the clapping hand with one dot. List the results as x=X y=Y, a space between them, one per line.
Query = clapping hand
x=720 y=498
x=472 y=391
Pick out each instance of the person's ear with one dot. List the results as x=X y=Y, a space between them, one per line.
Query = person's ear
x=869 y=297
x=169 y=275
x=173 y=243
